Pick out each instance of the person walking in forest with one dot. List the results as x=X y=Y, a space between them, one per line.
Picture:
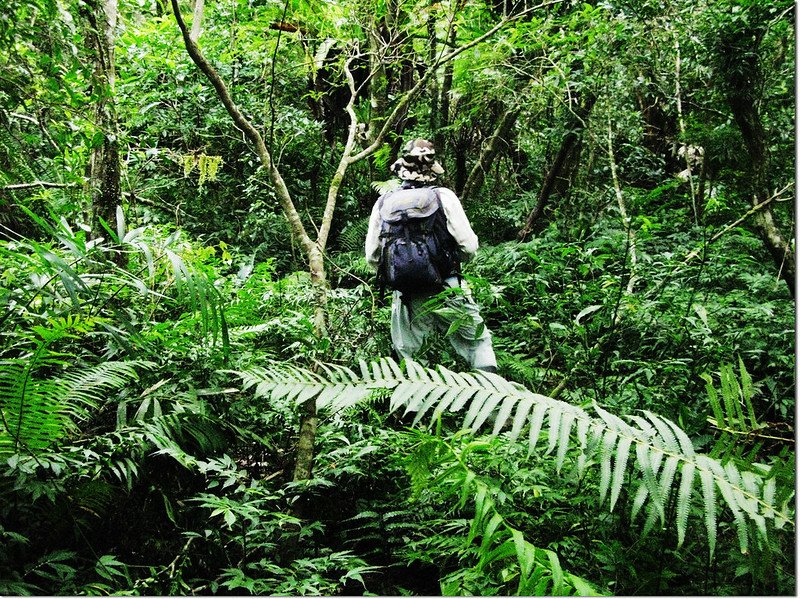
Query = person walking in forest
x=418 y=237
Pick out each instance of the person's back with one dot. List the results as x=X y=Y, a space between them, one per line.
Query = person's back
x=418 y=170
x=418 y=252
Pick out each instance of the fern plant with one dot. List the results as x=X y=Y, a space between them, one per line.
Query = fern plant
x=662 y=455
x=734 y=416
x=79 y=276
x=38 y=410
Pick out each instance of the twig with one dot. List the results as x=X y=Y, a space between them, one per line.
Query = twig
x=31 y=185
x=694 y=253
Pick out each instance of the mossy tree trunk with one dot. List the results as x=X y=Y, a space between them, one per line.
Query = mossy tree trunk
x=737 y=46
x=104 y=163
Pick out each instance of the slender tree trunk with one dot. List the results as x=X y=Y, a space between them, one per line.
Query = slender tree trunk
x=682 y=127
x=459 y=147
x=312 y=250
x=104 y=163
x=490 y=151
x=443 y=118
x=559 y=176
x=626 y=219
x=197 y=20
x=433 y=86
x=747 y=118
x=378 y=84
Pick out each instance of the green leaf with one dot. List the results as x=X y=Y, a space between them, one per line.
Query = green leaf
x=567 y=418
x=620 y=463
x=585 y=312
x=536 y=425
x=709 y=507
x=684 y=500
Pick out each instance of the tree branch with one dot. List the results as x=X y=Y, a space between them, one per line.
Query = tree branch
x=197 y=20
x=252 y=134
x=21 y=186
x=344 y=162
x=490 y=151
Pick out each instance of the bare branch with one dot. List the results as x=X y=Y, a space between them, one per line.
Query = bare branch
x=24 y=117
x=22 y=186
x=345 y=161
x=476 y=177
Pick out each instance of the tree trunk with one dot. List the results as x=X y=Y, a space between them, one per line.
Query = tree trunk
x=741 y=73
x=304 y=460
x=433 y=87
x=562 y=171
x=489 y=153
x=104 y=162
x=197 y=20
x=459 y=149
x=443 y=118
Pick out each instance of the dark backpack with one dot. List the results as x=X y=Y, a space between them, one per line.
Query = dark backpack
x=418 y=252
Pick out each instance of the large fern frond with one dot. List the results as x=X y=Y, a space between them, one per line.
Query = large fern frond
x=38 y=411
x=351 y=239
x=661 y=454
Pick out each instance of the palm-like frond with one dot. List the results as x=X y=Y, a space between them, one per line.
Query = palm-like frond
x=660 y=452
x=80 y=277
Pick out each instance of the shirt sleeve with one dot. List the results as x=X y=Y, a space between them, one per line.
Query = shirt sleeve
x=372 y=245
x=458 y=224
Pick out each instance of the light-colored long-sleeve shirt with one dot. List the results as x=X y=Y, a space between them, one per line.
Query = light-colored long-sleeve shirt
x=457 y=224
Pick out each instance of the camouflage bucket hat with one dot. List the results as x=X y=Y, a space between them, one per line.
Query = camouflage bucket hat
x=417 y=162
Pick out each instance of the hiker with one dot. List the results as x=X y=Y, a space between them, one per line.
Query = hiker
x=418 y=237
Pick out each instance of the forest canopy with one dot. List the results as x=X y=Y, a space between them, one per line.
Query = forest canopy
x=198 y=389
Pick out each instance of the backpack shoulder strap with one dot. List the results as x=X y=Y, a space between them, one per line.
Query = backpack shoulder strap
x=449 y=244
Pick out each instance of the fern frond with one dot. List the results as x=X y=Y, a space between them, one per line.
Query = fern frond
x=537 y=418
x=663 y=452
x=351 y=239
x=386 y=186
x=237 y=332
x=684 y=500
x=37 y=412
x=709 y=504
x=620 y=466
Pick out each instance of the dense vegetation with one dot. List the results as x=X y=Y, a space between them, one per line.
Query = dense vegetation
x=196 y=382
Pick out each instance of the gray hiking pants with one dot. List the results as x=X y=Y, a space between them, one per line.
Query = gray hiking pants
x=411 y=324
